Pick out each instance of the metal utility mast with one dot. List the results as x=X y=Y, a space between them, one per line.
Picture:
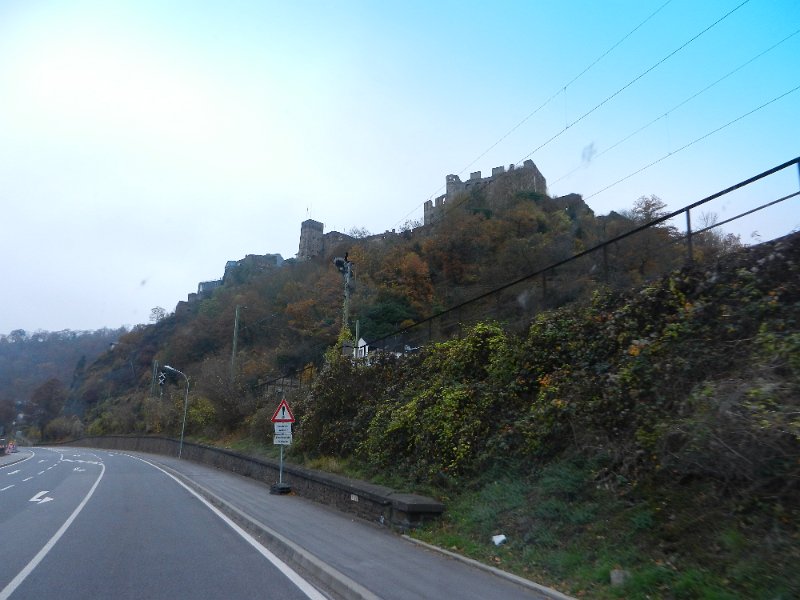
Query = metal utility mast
x=346 y=269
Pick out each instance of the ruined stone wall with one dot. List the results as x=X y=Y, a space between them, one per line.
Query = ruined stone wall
x=499 y=185
x=366 y=500
x=311 y=239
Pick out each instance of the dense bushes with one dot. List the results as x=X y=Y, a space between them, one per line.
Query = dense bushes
x=695 y=375
x=658 y=430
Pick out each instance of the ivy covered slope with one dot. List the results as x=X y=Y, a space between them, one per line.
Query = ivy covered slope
x=656 y=432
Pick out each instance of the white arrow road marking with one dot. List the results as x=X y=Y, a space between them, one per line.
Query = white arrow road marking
x=13 y=472
x=78 y=469
x=15 y=583
x=38 y=497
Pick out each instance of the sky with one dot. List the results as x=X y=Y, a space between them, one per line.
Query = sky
x=144 y=143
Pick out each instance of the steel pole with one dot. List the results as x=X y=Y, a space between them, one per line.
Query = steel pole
x=185 y=405
x=185 y=410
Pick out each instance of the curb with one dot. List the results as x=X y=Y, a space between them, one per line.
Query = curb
x=521 y=581
x=325 y=576
x=5 y=461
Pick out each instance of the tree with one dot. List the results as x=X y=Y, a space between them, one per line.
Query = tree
x=7 y=414
x=156 y=314
x=653 y=250
x=358 y=232
x=647 y=209
x=711 y=242
x=47 y=401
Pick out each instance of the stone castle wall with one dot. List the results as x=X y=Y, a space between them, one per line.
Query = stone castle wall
x=526 y=178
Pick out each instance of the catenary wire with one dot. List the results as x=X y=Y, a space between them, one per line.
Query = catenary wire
x=637 y=78
x=546 y=102
x=687 y=100
x=623 y=88
x=693 y=142
x=563 y=88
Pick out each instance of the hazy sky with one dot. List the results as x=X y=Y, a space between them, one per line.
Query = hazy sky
x=143 y=143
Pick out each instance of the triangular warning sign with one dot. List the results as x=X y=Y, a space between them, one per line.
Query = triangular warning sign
x=283 y=414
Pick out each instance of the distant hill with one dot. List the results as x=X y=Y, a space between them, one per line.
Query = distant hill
x=288 y=315
x=28 y=360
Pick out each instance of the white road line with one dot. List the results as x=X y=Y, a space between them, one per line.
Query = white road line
x=8 y=487
x=27 y=479
x=6 y=592
x=20 y=461
x=41 y=472
x=292 y=575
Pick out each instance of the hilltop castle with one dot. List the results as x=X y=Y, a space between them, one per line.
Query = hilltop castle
x=484 y=194
x=526 y=178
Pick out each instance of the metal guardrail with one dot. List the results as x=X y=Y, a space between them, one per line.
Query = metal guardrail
x=526 y=295
x=449 y=323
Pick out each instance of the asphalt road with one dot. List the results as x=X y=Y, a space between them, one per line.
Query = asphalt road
x=77 y=524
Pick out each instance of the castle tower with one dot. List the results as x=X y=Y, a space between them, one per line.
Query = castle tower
x=311 y=241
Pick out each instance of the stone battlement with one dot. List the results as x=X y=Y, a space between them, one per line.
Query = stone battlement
x=525 y=178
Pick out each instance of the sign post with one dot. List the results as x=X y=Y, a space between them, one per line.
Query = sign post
x=282 y=419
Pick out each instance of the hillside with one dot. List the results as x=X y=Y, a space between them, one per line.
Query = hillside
x=288 y=316
x=652 y=432
x=37 y=370
x=619 y=414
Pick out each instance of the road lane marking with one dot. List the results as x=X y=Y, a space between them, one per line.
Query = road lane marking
x=41 y=472
x=38 y=497
x=304 y=586
x=13 y=472
x=6 y=592
x=8 y=487
x=27 y=479
x=32 y=454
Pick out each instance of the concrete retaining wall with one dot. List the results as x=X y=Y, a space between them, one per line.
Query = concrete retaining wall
x=368 y=501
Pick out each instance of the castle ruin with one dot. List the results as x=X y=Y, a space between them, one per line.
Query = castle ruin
x=526 y=178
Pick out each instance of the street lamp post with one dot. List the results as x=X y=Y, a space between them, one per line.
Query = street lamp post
x=235 y=339
x=185 y=405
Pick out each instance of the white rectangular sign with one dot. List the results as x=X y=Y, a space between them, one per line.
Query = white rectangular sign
x=283 y=428
x=283 y=434
x=282 y=440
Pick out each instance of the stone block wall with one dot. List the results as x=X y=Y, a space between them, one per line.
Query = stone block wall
x=366 y=500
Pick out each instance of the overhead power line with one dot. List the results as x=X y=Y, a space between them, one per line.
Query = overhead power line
x=548 y=101
x=637 y=78
x=623 y=88
x=682 y=103
x=693 y=142
x=563 y=88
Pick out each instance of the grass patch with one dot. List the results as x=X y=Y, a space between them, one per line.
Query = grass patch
x=566 y=533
